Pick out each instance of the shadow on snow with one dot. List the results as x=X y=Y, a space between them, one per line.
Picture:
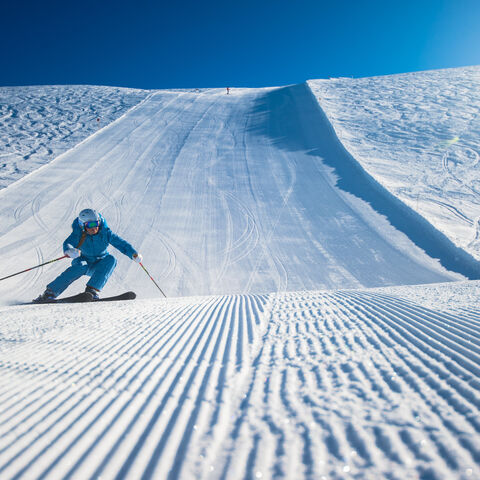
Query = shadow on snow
x=293 y=120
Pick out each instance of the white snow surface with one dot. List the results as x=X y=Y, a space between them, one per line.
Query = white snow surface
x=39 y=123
x=418 y=134
x=304 y=336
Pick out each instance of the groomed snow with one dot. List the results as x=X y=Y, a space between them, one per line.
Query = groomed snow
x=272 y=357
x=318 y=385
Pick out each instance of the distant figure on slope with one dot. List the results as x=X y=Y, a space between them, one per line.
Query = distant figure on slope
x=91 y=235
x=228 y=90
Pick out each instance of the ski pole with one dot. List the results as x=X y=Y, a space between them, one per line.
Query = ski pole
x=151 y=278
x=33 y=268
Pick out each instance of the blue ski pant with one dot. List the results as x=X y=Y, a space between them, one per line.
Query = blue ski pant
x=99 y=272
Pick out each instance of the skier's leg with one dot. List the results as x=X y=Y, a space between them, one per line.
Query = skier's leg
x=102 y=271
x=72 y=273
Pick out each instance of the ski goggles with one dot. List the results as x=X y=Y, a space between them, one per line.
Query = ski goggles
x=92 y=224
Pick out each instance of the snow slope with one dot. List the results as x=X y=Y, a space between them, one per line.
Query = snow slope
x=418 y=134
x=39 y=123
x=221 y=194
x=271 y=358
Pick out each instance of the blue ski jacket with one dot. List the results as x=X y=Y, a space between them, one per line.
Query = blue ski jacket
x=95 y=247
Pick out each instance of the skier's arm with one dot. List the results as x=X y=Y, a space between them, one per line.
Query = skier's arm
x=72 y=241
x=121 y=244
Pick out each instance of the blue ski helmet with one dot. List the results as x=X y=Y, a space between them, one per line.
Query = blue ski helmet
x=89 y=216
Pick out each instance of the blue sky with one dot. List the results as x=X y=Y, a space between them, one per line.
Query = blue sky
x=186 y=44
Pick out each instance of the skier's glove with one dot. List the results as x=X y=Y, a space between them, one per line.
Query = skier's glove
x=73 y=252
x=137 y=257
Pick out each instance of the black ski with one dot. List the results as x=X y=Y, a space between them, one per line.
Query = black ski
x=79 y=298
x=122 y=296
x=88 y=297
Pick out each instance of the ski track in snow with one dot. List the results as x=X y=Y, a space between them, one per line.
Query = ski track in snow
x=221 y=196
x=346 y=384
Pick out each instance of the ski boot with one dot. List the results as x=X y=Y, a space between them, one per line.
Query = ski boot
x=93 y=291
x=46 y=297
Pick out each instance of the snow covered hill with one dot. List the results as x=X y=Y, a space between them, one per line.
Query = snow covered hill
x=418 y=134
x=39 y=123
x=272 y=356
x=222 y=194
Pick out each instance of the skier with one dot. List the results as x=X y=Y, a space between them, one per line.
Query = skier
x=87 y=246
